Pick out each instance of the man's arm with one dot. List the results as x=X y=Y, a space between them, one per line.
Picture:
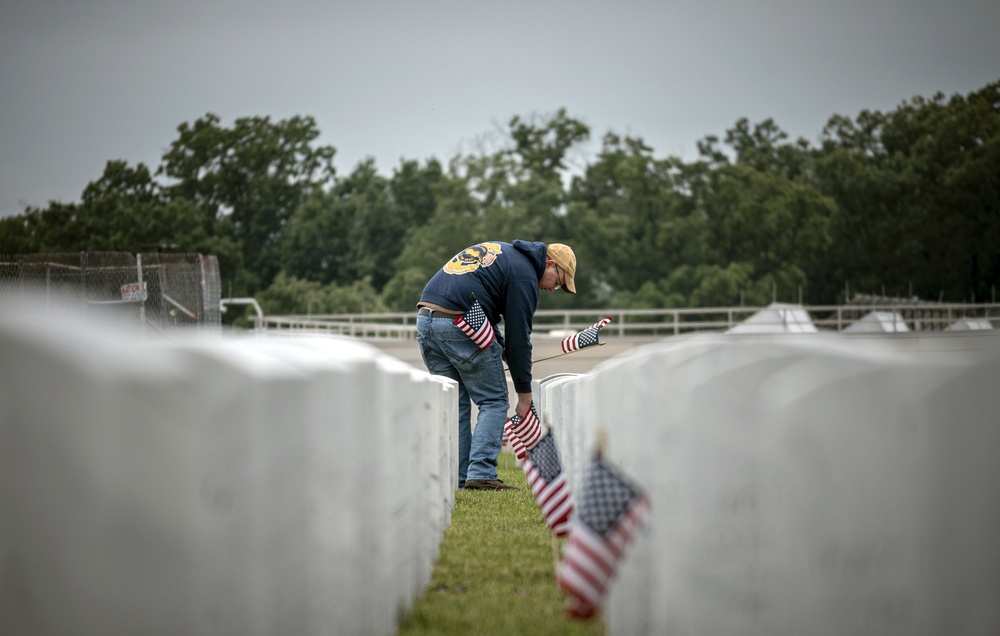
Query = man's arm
x=522 y=298
x=523 y=404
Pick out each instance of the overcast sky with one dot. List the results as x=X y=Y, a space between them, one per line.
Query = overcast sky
x=86 y=81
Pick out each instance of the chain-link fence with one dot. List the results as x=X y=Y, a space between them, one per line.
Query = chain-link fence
x=160 y=292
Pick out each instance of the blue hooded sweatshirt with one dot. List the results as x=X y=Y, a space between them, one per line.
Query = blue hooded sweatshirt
x=504 y=278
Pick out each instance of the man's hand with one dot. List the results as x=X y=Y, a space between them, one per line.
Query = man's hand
x=523 y=404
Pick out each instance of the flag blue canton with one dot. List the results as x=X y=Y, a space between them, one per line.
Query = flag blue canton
x=589 y=337
x=475 y=317
x=545 y=457
x=474 y=324
x=610 y=513
x=605 y=496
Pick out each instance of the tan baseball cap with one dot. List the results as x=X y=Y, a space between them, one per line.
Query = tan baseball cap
x=566 y=260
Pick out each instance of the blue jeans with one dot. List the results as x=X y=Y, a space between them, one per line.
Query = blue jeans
x=449 y=352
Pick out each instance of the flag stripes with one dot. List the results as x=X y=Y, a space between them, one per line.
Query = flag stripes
x=527 y=429
x=610 y=513
x=586 y=338
x=544 y=474
x=475 y=324
x=515 y=444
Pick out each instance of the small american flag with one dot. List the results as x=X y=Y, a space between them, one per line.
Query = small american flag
x=611 y=511
x=524 y=433
x=586 y=338
x=544 y=473
x=475 y=325
x=515 y=443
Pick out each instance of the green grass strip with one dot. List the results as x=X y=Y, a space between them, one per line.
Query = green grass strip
x=496 y=571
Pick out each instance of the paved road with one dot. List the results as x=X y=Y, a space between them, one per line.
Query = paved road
x=580 y=361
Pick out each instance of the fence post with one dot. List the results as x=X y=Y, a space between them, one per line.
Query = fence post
x=203 y=310
x=83 y=279
x=142 y=294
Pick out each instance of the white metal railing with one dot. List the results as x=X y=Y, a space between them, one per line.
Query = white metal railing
x=645 y=322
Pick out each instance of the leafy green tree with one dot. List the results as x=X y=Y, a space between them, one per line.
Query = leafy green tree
x=378 y=226
x=124 y=210
x=337 y=236
x=358 y=297
x=543 y=143
x=519 y=187
x=314 y=242
x=114 y=214
x=918 y=194
x=905 y=199
x=250 y=177
x=758 y=226
x=455 y=225
x=512 y=203
x=56 y=228
x=515 y=192
x=16 y=236
x=763 y=219
x=630 y=223
x=359 y=228
x=874 y=236
x=413 y=189
x=403 y=291
x=290 y=295
x=721 y=286
x=952 y=149
x=763 y=147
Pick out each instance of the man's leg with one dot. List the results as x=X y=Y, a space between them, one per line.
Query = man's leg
x=464 y=432
x=487 y=386
x=438 y=363
x=448 y=351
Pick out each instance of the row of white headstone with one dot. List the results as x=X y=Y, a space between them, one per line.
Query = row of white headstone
x=214 y=484
x=803 y=483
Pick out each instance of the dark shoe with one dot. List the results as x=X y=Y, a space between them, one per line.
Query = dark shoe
x=488 y=484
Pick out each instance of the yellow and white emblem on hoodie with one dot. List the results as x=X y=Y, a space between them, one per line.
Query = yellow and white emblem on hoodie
x=472 y=258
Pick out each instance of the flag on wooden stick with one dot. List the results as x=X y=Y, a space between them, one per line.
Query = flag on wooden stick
x=610 y=512
x=586 y=338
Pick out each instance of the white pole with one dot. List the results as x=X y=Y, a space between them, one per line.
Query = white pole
x=142 y=297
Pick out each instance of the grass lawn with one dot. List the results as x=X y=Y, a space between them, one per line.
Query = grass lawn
x=496 y=570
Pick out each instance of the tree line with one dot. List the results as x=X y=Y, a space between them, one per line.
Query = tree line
x=904 y=202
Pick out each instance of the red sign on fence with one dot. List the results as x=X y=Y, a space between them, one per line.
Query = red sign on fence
x=134 y=292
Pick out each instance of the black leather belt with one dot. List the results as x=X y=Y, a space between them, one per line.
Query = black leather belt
x=427 y=311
